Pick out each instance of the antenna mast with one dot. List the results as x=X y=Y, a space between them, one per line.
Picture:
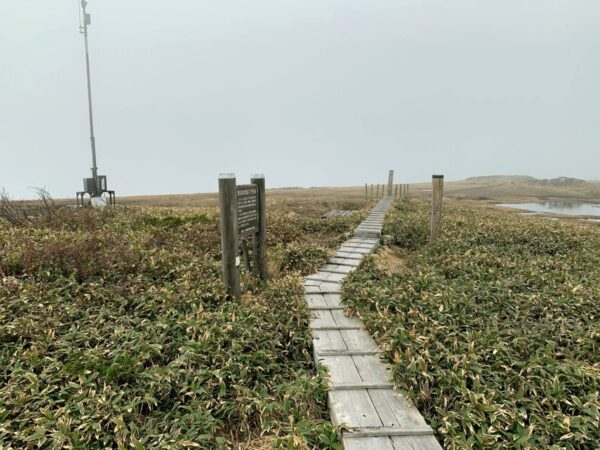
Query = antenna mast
x=95 y=186
x=84 y=30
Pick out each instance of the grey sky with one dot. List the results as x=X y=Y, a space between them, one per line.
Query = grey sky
x=309 y=92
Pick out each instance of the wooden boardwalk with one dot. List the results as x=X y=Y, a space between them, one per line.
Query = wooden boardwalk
x=362 y=399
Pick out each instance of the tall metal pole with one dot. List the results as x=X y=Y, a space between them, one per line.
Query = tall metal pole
x=86 y=22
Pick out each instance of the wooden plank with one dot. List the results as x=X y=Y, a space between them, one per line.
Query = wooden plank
x=415 y=443
x=328 y=341
x=360 y=251
x=337 y=268
x=345 y=262
x=318 y=290
x=371 y=369
x=358 y=340
x=323 y=287
x=347 y=352
x=349 y=255
x=322 y=319
x=360 y=385
x=342 y=319
x=395 y=410
x=315 y=300
x=333 y=277
x=367 y=443
x=341 y=368
x=389 y=431
x=325 y=308
x=323 y=301
x=353 y=409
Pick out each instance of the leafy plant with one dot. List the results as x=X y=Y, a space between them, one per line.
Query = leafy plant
x=493 y=331
x=115 y=331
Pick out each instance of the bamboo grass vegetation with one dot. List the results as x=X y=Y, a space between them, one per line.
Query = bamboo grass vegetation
x=116 y=332
x=494 y=330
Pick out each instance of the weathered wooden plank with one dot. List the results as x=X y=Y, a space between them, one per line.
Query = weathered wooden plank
x=371 y=369
x=389 y=431
x=323 y=287
x=367 y=443
x=360 y=385
x=315 y=300
x=353 y=409
x=322 y=319
x=343 y=320
x=395 y=410
x=351 y=249
x=348 y=352
x=337 y=268
x=328 y=340
x=349 y=255
x=341 y=368
x=325 y=308
x=336 y=277
x=345 y=262
x=357 y=245
x=415 y=443
x=358 y=340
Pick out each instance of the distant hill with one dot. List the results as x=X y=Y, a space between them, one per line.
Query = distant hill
x=517 y=179
x=523 y=187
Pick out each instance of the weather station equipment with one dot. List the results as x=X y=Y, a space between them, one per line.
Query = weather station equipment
x=95 y=186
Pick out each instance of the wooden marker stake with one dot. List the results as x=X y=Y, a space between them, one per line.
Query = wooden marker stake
x=259 y=239
x=436 y=206
x=229 y=234
x=390 y=185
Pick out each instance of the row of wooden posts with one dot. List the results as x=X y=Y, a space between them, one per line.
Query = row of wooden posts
x=397 y=190
x=437 y=182
x=243 y=216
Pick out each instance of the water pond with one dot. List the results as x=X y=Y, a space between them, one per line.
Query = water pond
x=571 y=208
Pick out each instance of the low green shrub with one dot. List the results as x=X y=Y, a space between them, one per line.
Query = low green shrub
x=116 y=332
x=494 y=330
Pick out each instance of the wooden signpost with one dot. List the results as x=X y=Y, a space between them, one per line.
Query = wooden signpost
x=436 y=206
x=243 y=215
x=390 y=185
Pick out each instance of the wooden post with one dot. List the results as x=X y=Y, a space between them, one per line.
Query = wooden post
x=259 y=239
x=390 y=185
x=366 y=192
x=396 y=192
x=246 y=255
x=229 y=234
x=436 y=206
x=377 y=191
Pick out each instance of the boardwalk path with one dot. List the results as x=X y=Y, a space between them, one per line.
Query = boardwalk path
x=362 y=399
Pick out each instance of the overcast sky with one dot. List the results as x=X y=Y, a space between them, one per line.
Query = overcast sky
x=308 y=92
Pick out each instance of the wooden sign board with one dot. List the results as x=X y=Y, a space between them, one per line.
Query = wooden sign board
x=243 y=214
x=247 y=209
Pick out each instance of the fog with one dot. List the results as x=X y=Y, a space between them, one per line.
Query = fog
x=310 y=93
